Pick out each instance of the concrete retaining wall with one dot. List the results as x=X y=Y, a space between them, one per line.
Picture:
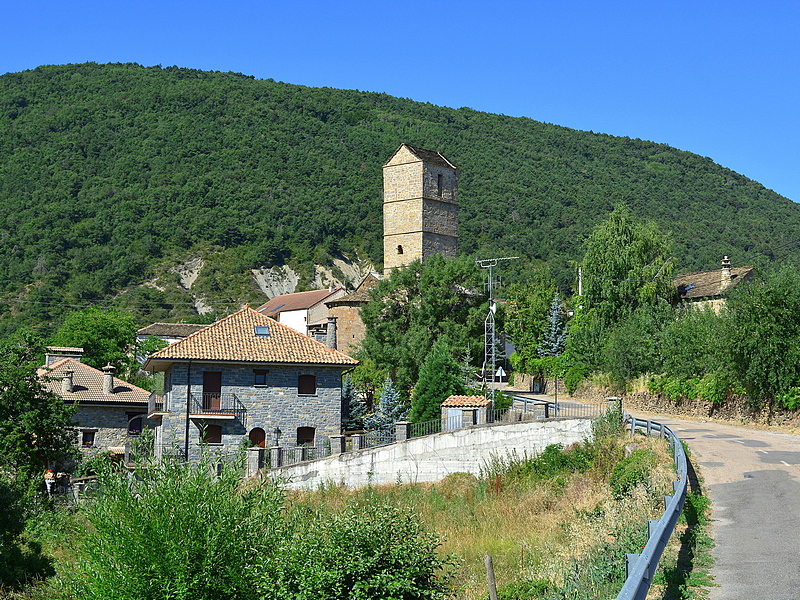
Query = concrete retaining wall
x=433 y=457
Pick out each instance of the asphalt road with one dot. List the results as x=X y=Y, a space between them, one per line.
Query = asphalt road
x=753 y=481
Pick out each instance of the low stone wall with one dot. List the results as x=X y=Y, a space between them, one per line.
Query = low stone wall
x=433 y=457
x=736 y=409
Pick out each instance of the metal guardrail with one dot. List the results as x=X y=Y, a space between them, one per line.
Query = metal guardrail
x=640 y=568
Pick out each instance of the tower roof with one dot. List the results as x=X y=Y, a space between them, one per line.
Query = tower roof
x=432 y=157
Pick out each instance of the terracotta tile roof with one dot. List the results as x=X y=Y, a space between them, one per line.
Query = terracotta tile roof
x=704 y=284
x=87 y=384
x=360 y=294
x=233 y=339
x=170 y=329
x=432 y=157
x=466 y=401
x=296 y=301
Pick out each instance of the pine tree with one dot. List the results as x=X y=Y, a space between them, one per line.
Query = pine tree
x=390 y=410
x=554 y=336
x=355 y=407
x=439 y=377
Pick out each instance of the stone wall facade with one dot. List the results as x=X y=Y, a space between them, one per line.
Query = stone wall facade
x=420 y=210
x=276 y=403
x=108 y=423
x=350 y=330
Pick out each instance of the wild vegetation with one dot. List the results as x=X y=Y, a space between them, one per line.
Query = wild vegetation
x=113 y=175
x=557 y=525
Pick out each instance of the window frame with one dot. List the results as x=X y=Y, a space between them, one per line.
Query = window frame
x=306 y=382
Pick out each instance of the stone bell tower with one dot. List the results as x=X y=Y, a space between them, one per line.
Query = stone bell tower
x=420 y=207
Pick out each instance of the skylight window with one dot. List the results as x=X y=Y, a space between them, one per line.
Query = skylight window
x=261 y=330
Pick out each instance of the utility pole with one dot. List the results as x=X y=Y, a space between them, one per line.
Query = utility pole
x=490 y=333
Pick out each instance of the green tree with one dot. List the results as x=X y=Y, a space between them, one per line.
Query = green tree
x=525 y=311
x=107 y=336
x=764 y=342
x=439 y=377
x=35 y=430
x=627 y=264
x=35 y=424
x=417 y=305
x=554 y=336
x=391 y=409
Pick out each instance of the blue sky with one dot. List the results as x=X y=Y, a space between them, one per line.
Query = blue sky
x=717 y=78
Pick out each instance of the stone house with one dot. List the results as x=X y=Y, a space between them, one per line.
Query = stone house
x=350 y=330
x=110 y=411
x=245 y=378
x=302 y=311
x=708 y=288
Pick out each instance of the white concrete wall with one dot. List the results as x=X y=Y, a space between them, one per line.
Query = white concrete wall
x=433 y=457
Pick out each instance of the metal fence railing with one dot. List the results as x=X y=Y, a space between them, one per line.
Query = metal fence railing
x=641 y=567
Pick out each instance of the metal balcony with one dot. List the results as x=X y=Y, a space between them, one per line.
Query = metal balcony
x=211 y=405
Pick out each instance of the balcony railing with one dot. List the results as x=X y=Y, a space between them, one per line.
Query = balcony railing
x=155 y=404
x=221 y=405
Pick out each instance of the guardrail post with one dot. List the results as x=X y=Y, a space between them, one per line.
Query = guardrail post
x=546 y=410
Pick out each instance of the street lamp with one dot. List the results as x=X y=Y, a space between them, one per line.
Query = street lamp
x=277 y=431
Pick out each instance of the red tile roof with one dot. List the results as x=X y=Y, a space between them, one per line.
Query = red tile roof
x=233 y=339
x=466 y=401
x=87 y=384
x=296 y=301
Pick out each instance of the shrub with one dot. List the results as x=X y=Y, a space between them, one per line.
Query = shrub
x=631 y=472
x=370 y=551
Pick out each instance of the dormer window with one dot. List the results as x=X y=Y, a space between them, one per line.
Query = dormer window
x=261 y=330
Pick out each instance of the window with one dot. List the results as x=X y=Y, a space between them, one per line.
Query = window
x=305 y=436
x=87 y=438
x=399 y=249
x=439 y=185
x=261 y=330
x=260 y=377
x=211 y=434
x=134 y=423
x=307 y=384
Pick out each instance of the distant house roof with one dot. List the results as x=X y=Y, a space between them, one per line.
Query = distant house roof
x=296 y=301
x=360 y=294
x=87 y=384
x=248 y=336
x=431 y=157
x=466 y=401
x=710 y=284
x=170 y=329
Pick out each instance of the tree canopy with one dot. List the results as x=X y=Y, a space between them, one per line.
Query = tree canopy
x=418 y=305
x=111 y=175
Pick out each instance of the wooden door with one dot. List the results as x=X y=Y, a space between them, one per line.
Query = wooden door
x=212 y=389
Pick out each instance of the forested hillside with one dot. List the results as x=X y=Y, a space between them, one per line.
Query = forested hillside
x=111 y=174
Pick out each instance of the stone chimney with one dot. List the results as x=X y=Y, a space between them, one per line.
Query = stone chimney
x=330 y=340
x=108 y=379
x=726 y=274
x=66 y=383
x=55 y=353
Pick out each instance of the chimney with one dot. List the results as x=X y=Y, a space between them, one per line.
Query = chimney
x=726 y=273
x=330 y=340
x=108 y=379
x=55 y=353
x=66 y=382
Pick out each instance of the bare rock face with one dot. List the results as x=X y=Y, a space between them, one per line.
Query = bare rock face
x=276 y=280
x=189 y=271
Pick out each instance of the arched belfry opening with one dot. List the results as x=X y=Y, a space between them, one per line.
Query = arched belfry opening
x=420 y=207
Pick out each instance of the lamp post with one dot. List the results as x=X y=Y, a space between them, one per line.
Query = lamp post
x=277 y=431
